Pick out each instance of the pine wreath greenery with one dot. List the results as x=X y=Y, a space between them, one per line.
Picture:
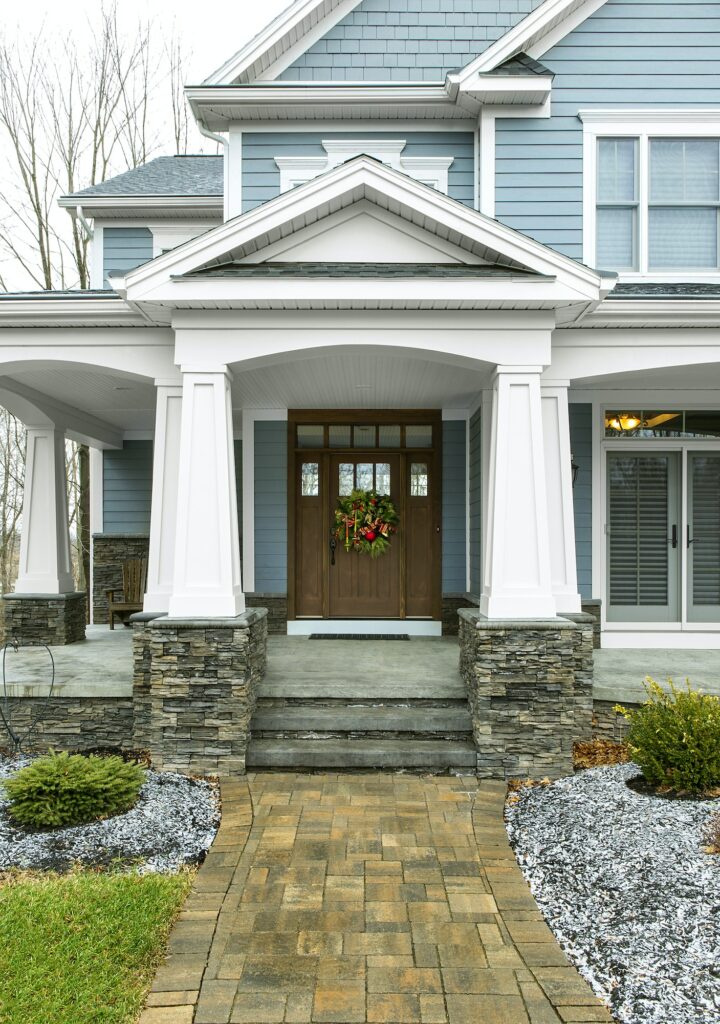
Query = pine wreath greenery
x=365 y=521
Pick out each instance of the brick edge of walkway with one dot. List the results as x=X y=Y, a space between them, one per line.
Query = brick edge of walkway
x=552 y=989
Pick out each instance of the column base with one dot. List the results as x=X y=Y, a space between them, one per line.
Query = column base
x=195 y=688
x=530 y=692
x=52 y=619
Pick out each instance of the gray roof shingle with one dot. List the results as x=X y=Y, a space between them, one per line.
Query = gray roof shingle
x=164 y=176
x=665 y=290
x=365 y=270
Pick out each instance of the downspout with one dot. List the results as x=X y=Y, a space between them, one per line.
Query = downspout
x=86 y=227
x=225 y=143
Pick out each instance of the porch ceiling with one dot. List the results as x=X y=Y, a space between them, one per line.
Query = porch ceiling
x=701 y=377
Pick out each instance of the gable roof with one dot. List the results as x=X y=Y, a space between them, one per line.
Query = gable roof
x=304 y=22
x=164 y=176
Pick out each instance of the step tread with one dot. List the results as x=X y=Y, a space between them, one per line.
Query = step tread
x=366 y=752
x=361 y=718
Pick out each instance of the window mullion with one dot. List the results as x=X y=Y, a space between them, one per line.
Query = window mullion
x=643 y=201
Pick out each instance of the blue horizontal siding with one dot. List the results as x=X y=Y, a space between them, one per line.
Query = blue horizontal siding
x=645 y=53
x=261 y=176
x=454 y=526
x=124 y=249
x=127 y=488
x=407 y=40
x=581 y=447
x=475 y=504
x=271 y=506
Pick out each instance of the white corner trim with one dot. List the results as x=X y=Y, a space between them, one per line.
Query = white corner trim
x=248 y=500
x=430 y=170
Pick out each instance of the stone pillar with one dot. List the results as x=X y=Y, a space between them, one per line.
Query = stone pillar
x=45 y=566
x=529 y=685
x=517 y=582
x=164 y=508
x=558 y=482
x=194 y=689
x=206 y=577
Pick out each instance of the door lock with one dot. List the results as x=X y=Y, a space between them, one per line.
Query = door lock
x=674 y=537
x=333 y=545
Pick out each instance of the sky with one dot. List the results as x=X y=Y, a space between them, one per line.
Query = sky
x=212 y=29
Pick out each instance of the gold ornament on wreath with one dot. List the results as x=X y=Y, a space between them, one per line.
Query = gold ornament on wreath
x=365 y=521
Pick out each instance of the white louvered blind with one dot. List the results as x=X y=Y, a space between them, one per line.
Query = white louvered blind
x=705 y=526
x=638 y=487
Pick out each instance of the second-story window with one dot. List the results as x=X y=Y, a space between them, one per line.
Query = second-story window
x=658 y=204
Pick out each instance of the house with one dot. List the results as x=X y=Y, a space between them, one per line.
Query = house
x=462 y=253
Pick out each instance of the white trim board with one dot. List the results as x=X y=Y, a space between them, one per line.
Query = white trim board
x=662 y=639
x=413 y=627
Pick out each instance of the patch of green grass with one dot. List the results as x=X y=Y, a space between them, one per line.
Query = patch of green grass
x=83 y=948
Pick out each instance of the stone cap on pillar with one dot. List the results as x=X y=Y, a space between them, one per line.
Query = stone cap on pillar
x=561 y=622
x=70 y=595
x=248 y=618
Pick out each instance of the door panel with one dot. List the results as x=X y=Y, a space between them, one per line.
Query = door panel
x=360 y=586
x=643 y=536
x=703 y=537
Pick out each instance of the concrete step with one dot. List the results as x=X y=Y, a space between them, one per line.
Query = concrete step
x=436 y=755
x=354 y=717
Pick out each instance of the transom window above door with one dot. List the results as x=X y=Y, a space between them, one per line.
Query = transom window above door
x=649 y=423
x=340 y=436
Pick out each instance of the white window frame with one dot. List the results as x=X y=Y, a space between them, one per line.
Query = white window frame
x=431 y=170
x=641 y=125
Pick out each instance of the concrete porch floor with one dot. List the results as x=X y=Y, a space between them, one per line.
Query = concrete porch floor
x=421 y=668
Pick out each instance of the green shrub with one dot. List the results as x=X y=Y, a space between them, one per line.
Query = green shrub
x=71 y=789
x=674 y=736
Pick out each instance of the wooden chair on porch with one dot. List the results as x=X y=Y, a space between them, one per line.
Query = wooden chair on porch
x=134 y=574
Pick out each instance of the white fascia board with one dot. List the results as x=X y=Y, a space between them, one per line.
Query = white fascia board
x=142 y=202
x=534 y=35
x=277 y=38
x=511 y=89
x=57 y=312
x=357 y=179
x=655 y=313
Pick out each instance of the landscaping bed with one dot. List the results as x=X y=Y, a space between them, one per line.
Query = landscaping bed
x=629 y=890
x=172 y=824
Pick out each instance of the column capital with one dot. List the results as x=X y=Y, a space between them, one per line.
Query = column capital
x=208 y=369
x=503 y=369
x=557 y=384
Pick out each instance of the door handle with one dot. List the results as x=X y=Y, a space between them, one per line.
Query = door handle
x=689 y=538
x=674 y=537
x=333 y=545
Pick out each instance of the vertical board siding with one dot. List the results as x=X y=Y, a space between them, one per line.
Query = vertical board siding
x=407 y=40
x=454 y=526
x=124 y=249
x=127 y=488
x=475 y=505
x=271 y=506
x=261 y=175
x=629 y=53
x=581 y=447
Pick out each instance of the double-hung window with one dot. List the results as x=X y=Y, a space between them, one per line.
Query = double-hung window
x=652 y=204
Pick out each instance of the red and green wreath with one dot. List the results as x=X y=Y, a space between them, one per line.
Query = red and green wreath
x=365 y=521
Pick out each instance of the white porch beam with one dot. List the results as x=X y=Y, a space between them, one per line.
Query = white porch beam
x=164 y=508
x=45 y=566
x=558 y=479
x=206 y=579
x=517 y=581
x=26 y=402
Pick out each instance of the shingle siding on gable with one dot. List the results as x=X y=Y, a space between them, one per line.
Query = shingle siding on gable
x=645 y=53
x=261 y=176
x=124 y=249
x=407 y=40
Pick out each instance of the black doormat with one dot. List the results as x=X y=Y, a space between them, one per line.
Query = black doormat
x=359 y=636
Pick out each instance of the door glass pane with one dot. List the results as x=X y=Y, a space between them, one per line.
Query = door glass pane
x=382 y=477
x=364 y=436
x=682 y=237
x=616 y=233
x=389 y=435
x=616 y=170
x=639 y=528
x=418 y=436
x=339 y=436
x=310 y=479
x=419 y=480
x=310 y=435
x=347 y=479
x=704 y=536
x=364 y=476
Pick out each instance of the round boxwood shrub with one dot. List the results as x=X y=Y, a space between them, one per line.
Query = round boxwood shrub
x=71 y=789
x=674 y=736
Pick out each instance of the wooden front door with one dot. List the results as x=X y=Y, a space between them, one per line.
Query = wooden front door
x=360 y=586
x=393 y=453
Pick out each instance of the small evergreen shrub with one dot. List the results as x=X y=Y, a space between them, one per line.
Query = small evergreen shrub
x=674 y=736
x=71 y=789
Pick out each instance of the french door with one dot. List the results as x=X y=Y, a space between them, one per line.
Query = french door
x=663 y=536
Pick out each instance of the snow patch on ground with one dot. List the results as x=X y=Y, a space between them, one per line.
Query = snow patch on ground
x=172 y=824
x=627 y=889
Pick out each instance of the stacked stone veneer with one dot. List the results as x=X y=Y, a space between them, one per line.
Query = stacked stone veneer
x=451 y=605
x=53 y=619
x=530 y=692
x=277 y=609
x=71 y=723
x=194 y=689
x=110 y=551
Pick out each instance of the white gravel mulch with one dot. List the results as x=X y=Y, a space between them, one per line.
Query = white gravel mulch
x=626 y=887
x=172 y=824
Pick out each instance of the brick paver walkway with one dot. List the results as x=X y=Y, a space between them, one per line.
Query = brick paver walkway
x=384 y=898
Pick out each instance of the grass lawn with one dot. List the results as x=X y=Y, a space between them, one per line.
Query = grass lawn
x=82 y=948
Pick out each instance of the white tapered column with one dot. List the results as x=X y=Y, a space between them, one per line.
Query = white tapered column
x=558 y=478
x=206 y=580
x=45 y=566
x=516 y=574
x=164 y=509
